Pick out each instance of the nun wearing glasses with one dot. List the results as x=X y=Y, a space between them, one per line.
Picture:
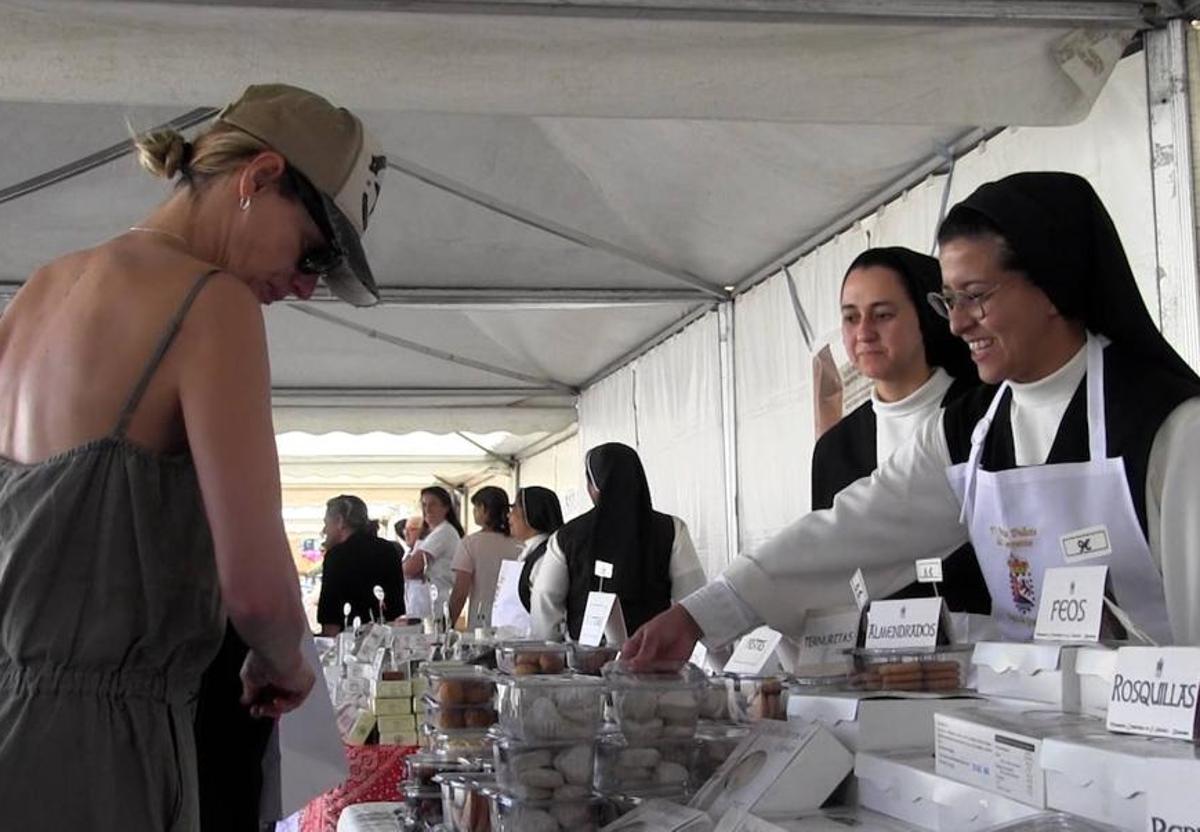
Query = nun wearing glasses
x=651 y=554
x=1086 y=430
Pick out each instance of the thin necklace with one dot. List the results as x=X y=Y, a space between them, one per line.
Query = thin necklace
x=147 y=230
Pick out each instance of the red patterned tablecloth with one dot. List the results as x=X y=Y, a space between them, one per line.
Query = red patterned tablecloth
x=375 y=774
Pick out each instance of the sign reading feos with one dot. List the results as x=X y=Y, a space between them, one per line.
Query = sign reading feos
x=1072 y=604
x=1155 y=691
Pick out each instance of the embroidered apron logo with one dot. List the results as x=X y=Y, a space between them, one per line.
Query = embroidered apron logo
x=1020 y=581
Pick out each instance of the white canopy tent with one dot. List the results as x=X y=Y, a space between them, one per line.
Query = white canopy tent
x=571 y=183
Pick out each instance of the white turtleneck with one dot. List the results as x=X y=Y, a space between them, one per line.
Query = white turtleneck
x=907 y=510
x=896 y=421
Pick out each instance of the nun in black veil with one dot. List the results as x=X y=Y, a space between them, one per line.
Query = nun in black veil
x=894 y=337
x=653 y=559
x=1080 y=446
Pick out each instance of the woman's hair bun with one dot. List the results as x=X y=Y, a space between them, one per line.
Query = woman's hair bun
x=162 y=152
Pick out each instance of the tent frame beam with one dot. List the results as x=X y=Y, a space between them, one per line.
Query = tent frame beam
x=283 y=395
x=1004 y=12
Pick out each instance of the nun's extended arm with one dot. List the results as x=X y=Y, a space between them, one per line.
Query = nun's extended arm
x=548 y=598
x=1173 y=515
x=881 y=524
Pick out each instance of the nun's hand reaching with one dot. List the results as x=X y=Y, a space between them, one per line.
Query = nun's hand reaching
x=669 y=636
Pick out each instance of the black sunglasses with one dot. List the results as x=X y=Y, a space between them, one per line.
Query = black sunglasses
x=320 y=260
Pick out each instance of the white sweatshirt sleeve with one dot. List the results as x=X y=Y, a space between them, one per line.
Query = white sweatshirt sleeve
x=881 y=524
x=1173 y=516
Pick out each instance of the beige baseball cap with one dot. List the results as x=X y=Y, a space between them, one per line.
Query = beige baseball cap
x=329 y=146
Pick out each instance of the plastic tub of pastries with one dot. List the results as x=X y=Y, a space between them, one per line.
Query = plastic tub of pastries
x=714 y=700
x=531 y=658
x=423 y=804
x=590 y=661
x=561 y=770
x=753 y=698
x=511 y=813
x=932 y=669
x=625 y=766
x=662 y=702
x=465 y=803
x=423 y=766
x=463 y=685
x=451 y=717
x=465 y=743
x=550 y=707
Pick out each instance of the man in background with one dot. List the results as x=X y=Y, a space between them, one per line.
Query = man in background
x=356 y=561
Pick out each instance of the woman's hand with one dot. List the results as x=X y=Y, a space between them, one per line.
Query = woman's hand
x=669 y=636
x=269 y=693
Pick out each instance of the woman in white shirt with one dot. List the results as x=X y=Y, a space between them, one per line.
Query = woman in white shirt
x=651 y=554
x=896 y=339
x=535 y=515
x=427 y=567
x=1094 y=426
x=476 y=563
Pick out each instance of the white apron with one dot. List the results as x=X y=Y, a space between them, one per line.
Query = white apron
x=416 y=598
x=1026 y=519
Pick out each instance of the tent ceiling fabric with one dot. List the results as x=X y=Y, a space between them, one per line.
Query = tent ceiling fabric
x=702 y=148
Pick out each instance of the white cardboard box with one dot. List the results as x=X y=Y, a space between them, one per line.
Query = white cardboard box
x=999 y=749
x=907 y=787
x=1095 y=667
x=1033 y=672
x=837 y=819
x=1105 y=777
x=780 y=770
x=873 y=721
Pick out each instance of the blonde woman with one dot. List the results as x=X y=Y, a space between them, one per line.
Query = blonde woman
x=139 y=485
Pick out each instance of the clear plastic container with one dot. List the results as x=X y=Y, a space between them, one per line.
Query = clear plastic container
x=626 y=766
x=465 y=743
x=545 y=770
x=1049 y=822
x=514 y=814
x=423 y=803
x=590 y=661
x=940 y=669
x=661 y=703
x=465 y=805
x=423 y=766
x=714 y=743
x=460 y=685
x=452 y=717
x=753 y=698
x=531 y=658
x=714 y=700
x=550 y=707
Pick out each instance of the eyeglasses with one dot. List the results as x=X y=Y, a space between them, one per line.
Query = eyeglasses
x=320 y=260
x=944 y=303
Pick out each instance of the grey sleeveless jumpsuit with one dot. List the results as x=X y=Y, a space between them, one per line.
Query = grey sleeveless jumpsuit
x=109 y=612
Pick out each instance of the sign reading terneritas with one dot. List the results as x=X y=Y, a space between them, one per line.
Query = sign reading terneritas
x=827 y=634
x=907 y=623
x=1155 y=691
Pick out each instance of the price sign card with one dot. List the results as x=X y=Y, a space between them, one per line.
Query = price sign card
x=755 y=653
x=929 y=571
x=1154 y=692
x=906 y=623
x=1072 y=604
x=858 y=585
x=827 y=634
x=602 y=616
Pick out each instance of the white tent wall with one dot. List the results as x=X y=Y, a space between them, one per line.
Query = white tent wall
x=774 y=406
x=678 y=397
x=559 y=468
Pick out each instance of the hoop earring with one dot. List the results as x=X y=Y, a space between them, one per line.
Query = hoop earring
x=244 y=203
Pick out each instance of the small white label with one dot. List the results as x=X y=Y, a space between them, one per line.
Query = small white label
x=1171 y=798
x=997 y=761
x=1154 y=691
x=1072 y=604
x=858 y=585
x=827 y=636
x=910 y=622
x=1084 y=544
x=604 y=569
x=754 y=652
x=600 y=609
x=929 y=571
